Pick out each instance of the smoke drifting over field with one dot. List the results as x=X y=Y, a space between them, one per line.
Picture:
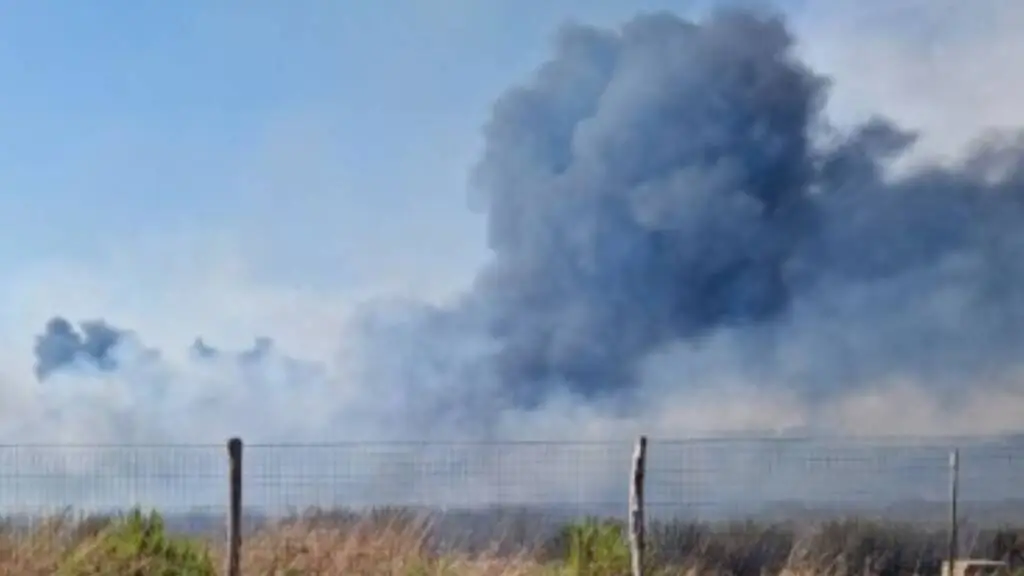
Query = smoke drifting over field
x=679 y=238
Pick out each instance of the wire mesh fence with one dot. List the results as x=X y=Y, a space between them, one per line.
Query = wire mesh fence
x=42 y=480
x=900 y=479
x=692 y=480
x=442 y=476
x=787 y=478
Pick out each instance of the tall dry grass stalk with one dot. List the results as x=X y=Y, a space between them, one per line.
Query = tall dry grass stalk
x=40 y=548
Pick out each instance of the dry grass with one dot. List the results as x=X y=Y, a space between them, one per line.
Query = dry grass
x=297 y=548
x=402 y=545
x=398 y=548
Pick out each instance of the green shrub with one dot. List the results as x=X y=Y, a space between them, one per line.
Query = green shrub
x=597 y=549
x=137 y=545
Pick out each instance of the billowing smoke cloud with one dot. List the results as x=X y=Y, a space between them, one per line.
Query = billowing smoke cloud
x=672 y=185
x=61 y=345
x=649 y=185
x=674 y=181
x=675 y=224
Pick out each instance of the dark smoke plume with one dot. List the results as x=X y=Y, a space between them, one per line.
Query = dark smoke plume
x=260 y=349
x=673 y=179
x=61 y=345
x=654 y=189
x=647 y=185
x=95 y=345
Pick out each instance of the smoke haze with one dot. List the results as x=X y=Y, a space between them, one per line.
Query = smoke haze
x=681 y=242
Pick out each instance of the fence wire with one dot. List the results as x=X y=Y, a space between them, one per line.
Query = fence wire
x=442 y=476
x=693 y=480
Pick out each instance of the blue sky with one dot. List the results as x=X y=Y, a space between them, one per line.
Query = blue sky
x=309 y=128
x=192 y=118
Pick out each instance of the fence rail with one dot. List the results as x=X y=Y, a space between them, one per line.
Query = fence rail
x=697 y=480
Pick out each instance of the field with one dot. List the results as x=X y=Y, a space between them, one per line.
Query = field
x=795 y=507
x=397 y=542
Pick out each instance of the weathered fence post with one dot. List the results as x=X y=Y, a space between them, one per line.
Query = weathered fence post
x=954 y=536
x=234 y=543
x=636 y=507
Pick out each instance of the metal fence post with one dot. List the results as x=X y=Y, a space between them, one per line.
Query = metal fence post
x=234 y=541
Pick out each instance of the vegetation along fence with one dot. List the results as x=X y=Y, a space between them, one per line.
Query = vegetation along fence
x=942 y=497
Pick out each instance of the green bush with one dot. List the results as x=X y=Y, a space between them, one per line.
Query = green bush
x=597 y=549
x=137 y=545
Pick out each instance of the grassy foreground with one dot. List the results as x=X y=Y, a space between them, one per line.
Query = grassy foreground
x=398 y=543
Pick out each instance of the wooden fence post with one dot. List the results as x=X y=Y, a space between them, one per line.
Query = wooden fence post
x=954 y=532
x=636 y=507
x=234 y=543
